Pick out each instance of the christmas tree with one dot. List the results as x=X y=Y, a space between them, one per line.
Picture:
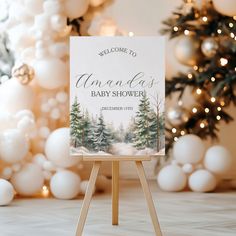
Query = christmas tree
x=76 y=124
x=102 y=136
x=207 y=46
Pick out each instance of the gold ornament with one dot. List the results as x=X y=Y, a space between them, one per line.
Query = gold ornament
x=23 y=72
x=209 y=47
x=187 y=50
x=177 y=115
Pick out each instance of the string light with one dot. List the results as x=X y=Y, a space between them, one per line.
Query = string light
x=218 y=117
x=222 y=103
x=213 y=79
x=195 y=67
x=202 y=125
x=207 y=110
x=223 y=61
x=174 y=130
x=182 y=132
x=194 y=110
x=213 y=99
x=190 y=76
x=180 y=102
x=198 y=91
x=175 y=28
x=234 y=17
x=204 y=18
x=186 y=32
x=131 y=34
x=218 y=108
x=219 y=31
x=231 y=25
x=45 y=191
x=175 y=138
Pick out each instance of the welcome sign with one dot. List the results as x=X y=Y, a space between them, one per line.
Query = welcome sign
x=117 y=95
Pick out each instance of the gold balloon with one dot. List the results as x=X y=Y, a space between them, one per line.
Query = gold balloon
x=177 y=115
x=187 y=50
x=209 y=47
x=23 y=72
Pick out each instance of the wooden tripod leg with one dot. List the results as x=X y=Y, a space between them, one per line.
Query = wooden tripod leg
x=115 y=192
x=148 y=196
x=87 y=198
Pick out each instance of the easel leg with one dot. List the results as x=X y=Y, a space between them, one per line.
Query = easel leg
x=115 y=192
x=148 y=196
x=87 y=198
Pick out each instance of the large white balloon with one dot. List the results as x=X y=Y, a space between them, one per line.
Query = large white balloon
x=6 y=192
x=188 y=149
x=29 y=180
x=13 y=146
x=57 y=148
x=15 y=97
x=65 y=185
x=172 y=178
x=226 y=7
x=76 y=8
x=218 y=160
x=51 y=73
x=202 y=181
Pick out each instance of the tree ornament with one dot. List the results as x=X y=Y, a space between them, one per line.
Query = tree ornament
x=6 y=192
x=172 y=178
x=23 y=72
x=209 y=47
x=187 y=50
x=202 y=181
x=226 y=7
x=65 y=184
x=218 y=160
x=13 y=146
x=189 y=149
x=29 y=180
x=60 y=156
x=177 y=115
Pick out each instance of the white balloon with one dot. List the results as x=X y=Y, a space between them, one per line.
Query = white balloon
x=188 y=168
x=52 y=7
x=6 y=192
x=96 y=3
x=7 y=173
x=21 y=114
x=51 y=73
x=76 y=8
x=15 y=97
x=202 y=181
x=59 y=50
x=188 y=149
x=58 y=22
x=172 y=178
x=7 y=121
x=13 y=146
x=34 y=6
x=29 y=180
x=83 y=187
x=65 y=185
x=39 y=159
x=26 y=125
x=218 y=160
x=41 y=22
x=226 y=7
x=57 y=148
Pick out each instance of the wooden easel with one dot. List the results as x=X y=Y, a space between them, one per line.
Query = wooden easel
x=115 y=189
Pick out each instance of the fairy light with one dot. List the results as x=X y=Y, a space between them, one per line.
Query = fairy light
x=195 y=67
x=190 y=76
x=198 y=91
x=182 y=132
x=222 y=103
x=176 y=139
x=232 y=35
x=174 y=130
x=180 y=102
x=131 y=34
x=231 y=25
x=175 y=28
x=218 y=117
x=45 y=191
x=219 y=31
x=234 y=17
x=186 y=32
x=223 y=61
x=213 y=79
x=207 y=110
x=202 y=125
x=204 y=18
x=213 y=99
x=194 y=110
x=218 y=108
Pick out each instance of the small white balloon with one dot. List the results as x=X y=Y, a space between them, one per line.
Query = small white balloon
x=188 y=149
x=7 y=121
x=76 y=8
x=47 y=165
x=41 y=22
x=16 y=167
x=26 y=125
x=218 y=160
x=102 y=183
x=188 y=168
x=51 y=73
x=83 y=187
x=29 y=180
x=226 y=7
x=58 y=22
x=34 y=6
x=7 y=173
x=21 y=114
x=60 y=156
x=55 y=114
x=62 y=97
x=59 y=50
x=13 y=146
x=65 y=185
x=44 y=132
x=172 y=178
x=39 y=159
x=6 y=192
x=52 y=7
x=202 y=181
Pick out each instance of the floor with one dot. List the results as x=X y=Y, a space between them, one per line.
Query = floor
x=180 y=214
